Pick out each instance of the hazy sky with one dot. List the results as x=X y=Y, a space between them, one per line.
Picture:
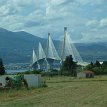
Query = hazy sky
x=86 y=19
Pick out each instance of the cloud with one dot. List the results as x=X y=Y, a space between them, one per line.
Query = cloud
x=90 y=2
x=92 y=23
x=33 y=23
x=2 y=2
x=87 y=18
x=7 y=10
x=93 y=36
x=103 y=22
x=97 y=23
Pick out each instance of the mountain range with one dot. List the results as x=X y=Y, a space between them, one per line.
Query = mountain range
x=16 y=47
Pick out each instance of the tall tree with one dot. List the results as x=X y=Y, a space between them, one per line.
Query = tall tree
x=89 y=66
x=92 y=64
x=2 y=69
x=104 y=64
x=97 y=64
x=70 y=65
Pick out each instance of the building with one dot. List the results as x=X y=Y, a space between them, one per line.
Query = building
x=85 y=74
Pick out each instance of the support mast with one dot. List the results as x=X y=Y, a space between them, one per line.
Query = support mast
x=64 y=43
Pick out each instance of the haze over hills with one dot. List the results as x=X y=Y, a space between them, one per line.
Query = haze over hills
x=16 y=47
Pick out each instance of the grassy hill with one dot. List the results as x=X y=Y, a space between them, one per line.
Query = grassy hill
x=61 y=92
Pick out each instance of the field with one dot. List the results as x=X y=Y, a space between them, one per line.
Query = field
x=61 y=92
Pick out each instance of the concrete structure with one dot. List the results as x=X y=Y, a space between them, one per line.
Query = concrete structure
x=34 y=80
x=2 y=80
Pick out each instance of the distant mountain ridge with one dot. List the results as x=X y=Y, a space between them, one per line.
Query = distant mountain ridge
x=16 y=47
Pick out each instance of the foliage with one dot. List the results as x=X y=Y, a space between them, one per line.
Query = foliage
x=97 y=68
x=69 y=66
x=2 y=69
x=51 y=73
x=31 y=72
x=97 y=64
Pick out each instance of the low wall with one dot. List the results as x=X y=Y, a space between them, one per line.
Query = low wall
x=33 y=80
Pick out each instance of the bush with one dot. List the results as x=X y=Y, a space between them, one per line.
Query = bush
x=51 y=73
x=31 y=72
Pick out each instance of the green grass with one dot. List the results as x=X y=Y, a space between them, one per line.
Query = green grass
x=61 y=92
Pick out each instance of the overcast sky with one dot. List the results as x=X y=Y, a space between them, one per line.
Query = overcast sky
x=86 y=19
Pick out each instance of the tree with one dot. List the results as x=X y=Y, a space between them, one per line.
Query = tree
x=92 y=64
x=97 y=64
x=104 y=64
x=89 y=66
x=97 y=68
x=70 y=66
x=2 y=69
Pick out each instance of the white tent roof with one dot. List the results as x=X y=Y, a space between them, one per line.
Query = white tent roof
x=34 y=59
x=70 y=49
x=51 y=51
x=41 y=53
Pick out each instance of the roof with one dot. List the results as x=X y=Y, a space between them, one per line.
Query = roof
x=88 y=72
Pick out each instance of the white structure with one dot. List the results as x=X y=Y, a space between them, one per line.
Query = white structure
x=41 y=53
x=68 y=48
x=33 y=80
x=50 y=59
x=51 y=51
x=34 y=57
x=35 y=63
x=2 y=80
x=52 y=54
x=46 y=59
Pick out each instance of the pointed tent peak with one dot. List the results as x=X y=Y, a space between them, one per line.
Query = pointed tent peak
x=41 y=53
x=49 y=34
x=34 y=59
x=50 y=39
x=51 y=50
x=40 y=45
x=69 y=48
x=65 y=28
x=33 y=51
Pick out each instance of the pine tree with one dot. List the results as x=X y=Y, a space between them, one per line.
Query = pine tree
x=70 y=65
x=2 y=69
x=92 y=64
x=97 y=64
